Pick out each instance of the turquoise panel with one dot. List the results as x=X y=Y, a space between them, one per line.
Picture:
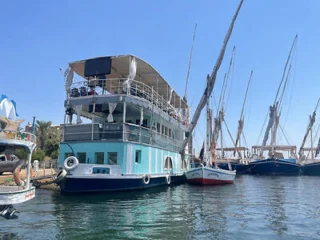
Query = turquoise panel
x=150 y=159
x=90 y=148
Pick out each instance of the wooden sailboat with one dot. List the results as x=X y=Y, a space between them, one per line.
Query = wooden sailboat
x=280 y=159
x=309 y=157
x=237 y=157
x=207 y=173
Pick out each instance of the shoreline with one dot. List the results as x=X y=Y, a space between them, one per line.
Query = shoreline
x=7 y=178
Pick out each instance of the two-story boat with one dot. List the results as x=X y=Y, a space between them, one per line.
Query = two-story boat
x=124 y=127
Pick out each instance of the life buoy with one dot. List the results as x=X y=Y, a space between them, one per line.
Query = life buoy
x=70 y=163
x=146 y=179
x=168 y=179
x=60 y=176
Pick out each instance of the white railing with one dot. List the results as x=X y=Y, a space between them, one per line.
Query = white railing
x=116 y=86
x=120 y=132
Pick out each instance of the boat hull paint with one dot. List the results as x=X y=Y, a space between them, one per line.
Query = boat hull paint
x=210 y=176
x=311 y=169
x=93 y=184
x=239 y=167
x=16 y=195
x=273 y=167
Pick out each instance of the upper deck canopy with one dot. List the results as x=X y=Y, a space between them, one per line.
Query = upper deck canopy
x=145 y=73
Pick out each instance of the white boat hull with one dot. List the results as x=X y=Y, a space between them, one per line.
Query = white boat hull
x=210 y=176
x=10 y=195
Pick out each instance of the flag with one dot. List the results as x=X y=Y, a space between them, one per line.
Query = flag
x=201 y=152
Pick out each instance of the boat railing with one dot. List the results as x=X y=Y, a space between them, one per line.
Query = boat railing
x=119 y=132
x=20 y=135
x=117 y=86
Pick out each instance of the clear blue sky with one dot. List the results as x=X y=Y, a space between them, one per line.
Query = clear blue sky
x=39 y=37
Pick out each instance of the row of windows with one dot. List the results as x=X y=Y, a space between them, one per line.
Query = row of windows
x=98 y=157
x=165 y=130
x=160 y=128
x=113 y=159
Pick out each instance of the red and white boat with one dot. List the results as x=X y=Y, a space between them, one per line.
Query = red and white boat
x=204 y=175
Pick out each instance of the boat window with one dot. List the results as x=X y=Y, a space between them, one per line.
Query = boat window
x=98 y=170
x=166 y=131
x=184 y=164
x=81 y=157
x=112 y=158
x=138 y=156
x=158 y=127
x=162 y=130
x=168 y=163
x=169 y=132
x=99 y=158
x=145 y=123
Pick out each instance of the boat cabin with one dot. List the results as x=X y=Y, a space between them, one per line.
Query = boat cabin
x=121 y=99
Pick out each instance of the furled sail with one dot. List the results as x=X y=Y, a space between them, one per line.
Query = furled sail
x=212 y=79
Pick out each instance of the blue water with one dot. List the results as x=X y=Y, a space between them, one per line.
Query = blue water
x=255 y=207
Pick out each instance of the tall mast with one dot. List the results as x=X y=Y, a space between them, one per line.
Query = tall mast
x=212 y=79
x=186 y=111
x=274 y=115
x=241 y=120
x=189 y=66
x=312 y=119
x=220 y=108
x=208 y=133
x=285 y=67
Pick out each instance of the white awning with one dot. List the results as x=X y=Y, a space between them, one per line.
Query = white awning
x=145 y=73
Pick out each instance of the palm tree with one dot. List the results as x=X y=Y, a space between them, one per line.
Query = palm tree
x=42 y=130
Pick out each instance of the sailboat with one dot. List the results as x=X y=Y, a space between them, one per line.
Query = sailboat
x=310 y=164
x=237 y=157
x=280 y=159
x=207 y=173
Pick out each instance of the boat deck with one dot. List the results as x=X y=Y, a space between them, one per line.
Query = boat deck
x=8 y=189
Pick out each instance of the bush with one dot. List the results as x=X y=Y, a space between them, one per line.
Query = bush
x=38 y=155
x=51 y=146
x=54 y=154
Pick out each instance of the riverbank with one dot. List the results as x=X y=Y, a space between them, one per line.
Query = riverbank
x=42 y=176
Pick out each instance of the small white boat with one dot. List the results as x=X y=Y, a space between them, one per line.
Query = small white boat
x=205 y=175
x=10 y=140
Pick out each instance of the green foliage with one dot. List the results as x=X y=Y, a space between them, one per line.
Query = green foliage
x=21 y=153
x=54 y=154
x=38 y=155
x=48 y=138
x=42 y=130
x=51 y=146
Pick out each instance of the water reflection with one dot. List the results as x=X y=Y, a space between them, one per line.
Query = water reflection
x=276 y=212
x=9 y=236
x=255 y=207
x=124 y=215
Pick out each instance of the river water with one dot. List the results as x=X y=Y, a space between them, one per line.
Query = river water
x=254 y=207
